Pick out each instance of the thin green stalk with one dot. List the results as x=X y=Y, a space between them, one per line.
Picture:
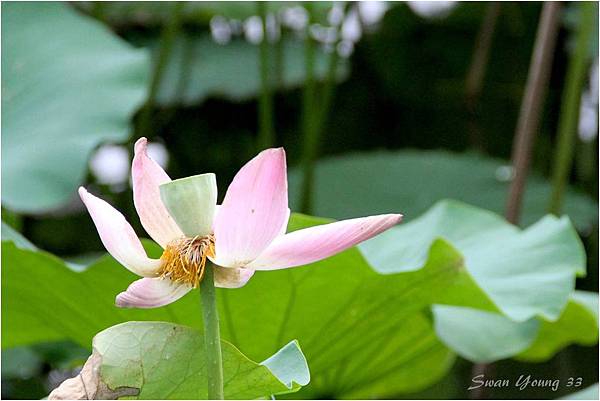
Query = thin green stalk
x=279 y=55
x=328 y=91
x=586 y=161
x=212 y=336
x=329 y=86
x=167 y=40
x=476 y=75
x=312 y=141
x=266 y=133
x=569 y=113
x=309 y=117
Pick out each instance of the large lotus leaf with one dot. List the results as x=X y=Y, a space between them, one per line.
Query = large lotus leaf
x=412 y=181
x=37 y=286
x=274 y=305
x=198 y=68
x=526 y=273
x=68 y=84
x=345 y=315
x=159 y=360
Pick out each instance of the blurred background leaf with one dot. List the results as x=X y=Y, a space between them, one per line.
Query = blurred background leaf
x=414 y=180
x=199 y=68
x=67 y=86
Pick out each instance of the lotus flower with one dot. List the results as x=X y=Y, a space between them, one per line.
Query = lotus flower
x=246 y=233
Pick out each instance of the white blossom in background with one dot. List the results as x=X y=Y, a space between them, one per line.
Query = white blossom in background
x=371 y=12
x=351 y=29
x=110 y=164
x=351 y=32
x=295 y=18
x=336 y=14
x=253 y=29
x=432 y=9
x=220 y=29
x=345 y=48
x=588 y=114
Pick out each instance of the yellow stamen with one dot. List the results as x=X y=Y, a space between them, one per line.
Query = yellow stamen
x=184 y=259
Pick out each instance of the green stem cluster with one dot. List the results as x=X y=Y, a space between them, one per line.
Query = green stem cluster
x=314 y=118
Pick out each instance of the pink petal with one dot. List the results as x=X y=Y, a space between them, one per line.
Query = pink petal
x=315 y=243
x=118 y=236
x=232 y=277
x=151 y=293
x=147 y=175
x=254 y=210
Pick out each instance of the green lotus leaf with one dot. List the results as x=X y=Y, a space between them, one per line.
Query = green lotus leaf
x=159 y=360
x=68 y=84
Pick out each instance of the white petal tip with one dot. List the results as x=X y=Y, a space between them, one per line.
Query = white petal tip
x=149 y=293
x=125 y=300
x=273 y=152
x=121 y=301
x=140 y=145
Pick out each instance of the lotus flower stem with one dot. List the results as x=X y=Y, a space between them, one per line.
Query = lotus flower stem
x=212 y=336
